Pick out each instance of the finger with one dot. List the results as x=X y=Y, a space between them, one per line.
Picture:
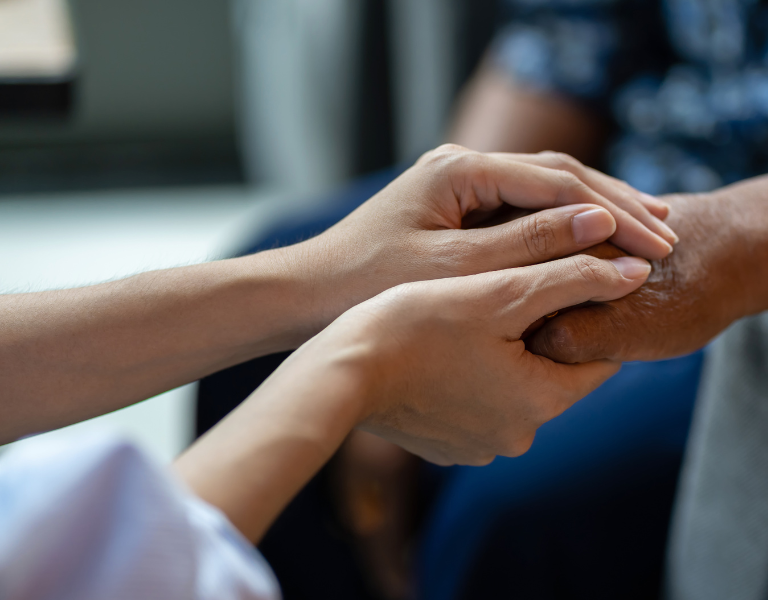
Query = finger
x=576 y=381
x=585 y=378
x=658 y=208
x=580 y=336
x=496 y=180
x=537 y=238
x=618 y=192
x=570 y=281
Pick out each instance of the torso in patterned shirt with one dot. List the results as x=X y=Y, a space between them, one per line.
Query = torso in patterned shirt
x=684 y=81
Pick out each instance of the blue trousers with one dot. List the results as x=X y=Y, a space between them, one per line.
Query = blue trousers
x=584 y=513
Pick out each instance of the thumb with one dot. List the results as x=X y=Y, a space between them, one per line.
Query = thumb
x=570 y=281
x=537 y=238
x=579 y=380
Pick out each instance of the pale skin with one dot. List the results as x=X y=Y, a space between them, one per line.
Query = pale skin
x=407 y=364
x=436 y=367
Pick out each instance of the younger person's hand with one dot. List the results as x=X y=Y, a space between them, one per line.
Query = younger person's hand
x=446 y=374
x=437 y=367
x=424 y=225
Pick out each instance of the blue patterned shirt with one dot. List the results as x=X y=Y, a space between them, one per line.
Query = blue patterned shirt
x=684 y=82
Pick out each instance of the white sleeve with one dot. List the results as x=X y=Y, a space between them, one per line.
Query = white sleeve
x=97 y=520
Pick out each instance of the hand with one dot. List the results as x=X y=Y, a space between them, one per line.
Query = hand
x=437 y=367
x=715 y=276
x=412 y=230
x=452 y=381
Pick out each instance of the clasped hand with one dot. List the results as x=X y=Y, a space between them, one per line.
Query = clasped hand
x=411 y=317
x=441 y=362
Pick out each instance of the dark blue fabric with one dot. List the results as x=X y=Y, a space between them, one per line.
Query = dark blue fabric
x=684 y=82
x=330 y=210
x=641 y=413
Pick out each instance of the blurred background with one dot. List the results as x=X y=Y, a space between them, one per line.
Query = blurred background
x=138 y=135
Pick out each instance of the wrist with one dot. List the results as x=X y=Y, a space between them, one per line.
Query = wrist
x=287 y=294
x=742 y=228
x=338 y=372
x=327 y=275
x=253 y=462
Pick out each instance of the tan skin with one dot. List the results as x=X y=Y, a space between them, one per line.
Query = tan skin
x=436 y=367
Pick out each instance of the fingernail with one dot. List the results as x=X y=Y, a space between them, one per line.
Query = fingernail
x=631 y=267
x=666 y=229
x=592 y=226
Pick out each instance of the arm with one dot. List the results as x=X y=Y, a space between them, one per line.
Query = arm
x=69 y=355
x=496 y=114
x=716 y=275
x=436 y=367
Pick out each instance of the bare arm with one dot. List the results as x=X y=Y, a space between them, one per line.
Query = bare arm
x=494 y=114
x=69 y=355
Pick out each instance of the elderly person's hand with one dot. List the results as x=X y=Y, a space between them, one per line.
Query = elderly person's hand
x=715 y=276
x=424 y=225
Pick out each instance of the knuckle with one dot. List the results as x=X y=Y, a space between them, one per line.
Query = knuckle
x=559 y=343
x=562 y=161
x=591 y=269
x=539 y=236
x=443 y=153
x=454 y=255
x=556 y=342
x=451 y=160
x=450 y=148
x=570 y=188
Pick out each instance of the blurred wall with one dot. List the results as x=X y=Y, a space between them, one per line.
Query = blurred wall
x=423 y=41
x=312 y=76
x=298 y=62
x=153 y=90
x=296 y=94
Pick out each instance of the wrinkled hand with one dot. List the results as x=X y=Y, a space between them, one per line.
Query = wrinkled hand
x=433 y=222
x=711 y=279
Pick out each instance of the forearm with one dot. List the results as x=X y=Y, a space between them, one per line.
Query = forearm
x=253 y=462
x=743 y=233
x=495 y=114
x=73 y=354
